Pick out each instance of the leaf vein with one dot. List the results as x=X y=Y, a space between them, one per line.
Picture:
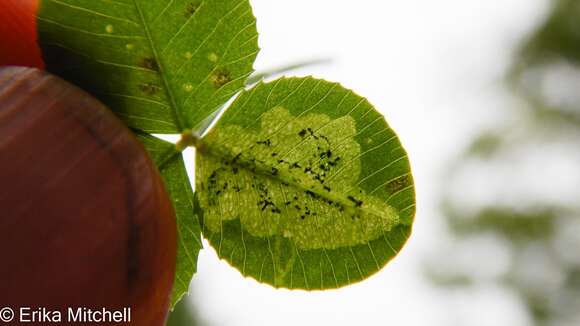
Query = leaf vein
x=168 y=91
x=93 y=12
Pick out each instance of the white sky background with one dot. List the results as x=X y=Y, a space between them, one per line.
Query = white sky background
x=434 y=69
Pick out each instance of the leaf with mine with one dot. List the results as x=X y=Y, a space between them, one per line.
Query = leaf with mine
x=177 y=183
x=302 y=184
x=163 y=66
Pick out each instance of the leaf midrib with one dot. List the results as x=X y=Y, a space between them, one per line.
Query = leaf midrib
x=178 y=119
x=208 y=149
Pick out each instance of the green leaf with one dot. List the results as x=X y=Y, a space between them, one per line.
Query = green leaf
x=302 y=184
x=177 y=183
x=163 y=66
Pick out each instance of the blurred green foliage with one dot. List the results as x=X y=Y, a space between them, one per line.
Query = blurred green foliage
x=544 y=257
x=558 y=38
x=517 y=227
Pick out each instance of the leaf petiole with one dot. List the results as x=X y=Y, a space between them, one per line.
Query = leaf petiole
x=189 y=138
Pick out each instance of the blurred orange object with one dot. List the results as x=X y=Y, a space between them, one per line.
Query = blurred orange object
x=18 y=35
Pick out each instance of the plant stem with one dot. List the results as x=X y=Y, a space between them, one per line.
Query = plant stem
x=188 y=139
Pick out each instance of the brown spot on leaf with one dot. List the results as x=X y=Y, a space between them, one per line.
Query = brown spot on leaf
x=220 y=77
x=190 y=9
x=398 y=184
x=149 y=88
x=149 y=63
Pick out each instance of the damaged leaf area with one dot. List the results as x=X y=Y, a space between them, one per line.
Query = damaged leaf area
x=306 y=194
x=302 y=184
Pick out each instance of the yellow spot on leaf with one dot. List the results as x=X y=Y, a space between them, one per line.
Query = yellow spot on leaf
x=188 y=87
x=213 y=57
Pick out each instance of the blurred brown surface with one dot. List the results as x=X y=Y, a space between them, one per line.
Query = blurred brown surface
x=84 y=217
